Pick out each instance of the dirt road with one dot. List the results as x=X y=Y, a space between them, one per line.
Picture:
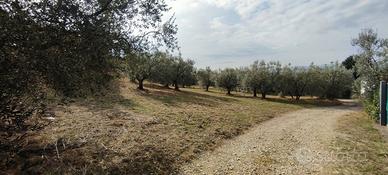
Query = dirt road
x=294 y=143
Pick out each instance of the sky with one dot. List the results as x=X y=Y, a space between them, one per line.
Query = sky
x=234 y=33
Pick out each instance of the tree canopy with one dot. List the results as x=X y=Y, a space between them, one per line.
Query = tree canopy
x=71 y=47
x=227 y=79
x=206 y=77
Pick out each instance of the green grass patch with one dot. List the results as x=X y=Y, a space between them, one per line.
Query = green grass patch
x=364 y=145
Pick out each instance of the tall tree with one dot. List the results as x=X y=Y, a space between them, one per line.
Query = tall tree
x=371 y=60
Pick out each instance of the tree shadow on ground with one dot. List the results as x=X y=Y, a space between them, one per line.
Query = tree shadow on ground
x=109 y=99
x=107 y=102
x=306 y=102
x=74 y=158
x=184 y=97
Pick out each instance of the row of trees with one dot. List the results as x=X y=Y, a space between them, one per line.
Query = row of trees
x=367 y=68
x=328 y=81
x=161 y=68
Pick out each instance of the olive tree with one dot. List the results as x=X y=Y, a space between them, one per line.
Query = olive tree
x=228 y=79
x=164 y=70
x=263 y=79
x=371 y=61
x=337 y=80
x=295 y=81
x=253 y=80
x=286 y=80
x=268 y=76
x=318 y=83
x=274 y=70
x=189 y=78
x=205 y=77
x=142 y=66
x=181 y=69
x=328 y=81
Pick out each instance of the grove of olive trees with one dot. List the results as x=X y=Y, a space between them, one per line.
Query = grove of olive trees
x=327 y=81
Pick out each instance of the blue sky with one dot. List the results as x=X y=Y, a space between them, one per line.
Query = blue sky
x=233 y=33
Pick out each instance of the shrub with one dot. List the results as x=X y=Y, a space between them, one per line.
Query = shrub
x=372 y=106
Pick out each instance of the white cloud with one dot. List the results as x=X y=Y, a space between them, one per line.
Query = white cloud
x=224 y=33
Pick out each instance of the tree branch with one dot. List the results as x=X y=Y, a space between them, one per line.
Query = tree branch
x=104 y=8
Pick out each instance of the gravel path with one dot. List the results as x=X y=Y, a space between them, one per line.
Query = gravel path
x=294 y=143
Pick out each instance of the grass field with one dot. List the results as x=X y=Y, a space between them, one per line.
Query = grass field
x=152 y=131
x=361 y=146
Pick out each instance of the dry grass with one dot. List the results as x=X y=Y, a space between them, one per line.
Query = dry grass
x=145 y=132
x=361 y=147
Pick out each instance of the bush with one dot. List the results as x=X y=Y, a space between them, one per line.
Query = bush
x=372 y=106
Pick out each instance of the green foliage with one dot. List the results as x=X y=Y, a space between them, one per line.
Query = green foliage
x=206 y=78
x=273 y=83
x=253 y=79
x=263 y=77
x=188 y=76
x=164 y=73
x=67 y=44
x=182 y=71
x=228 y=79
x=295 y=81
x=69 y=48
x=371 y=61
x=372 y=106
x=142 y=66
x=174 y=70
x=338 y=81
x=330 y=81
